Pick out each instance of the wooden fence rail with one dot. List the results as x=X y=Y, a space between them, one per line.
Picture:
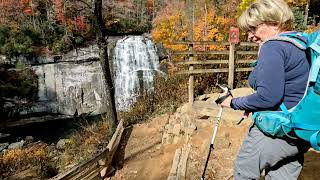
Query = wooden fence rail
x=232 y=60
x=97 y=166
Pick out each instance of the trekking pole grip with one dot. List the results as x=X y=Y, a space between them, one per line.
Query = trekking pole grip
x=226 y=90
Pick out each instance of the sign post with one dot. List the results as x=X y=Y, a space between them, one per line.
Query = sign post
x=233 y=39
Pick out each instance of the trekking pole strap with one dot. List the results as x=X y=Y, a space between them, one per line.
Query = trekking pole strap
x=222 y=98
x=284 y=109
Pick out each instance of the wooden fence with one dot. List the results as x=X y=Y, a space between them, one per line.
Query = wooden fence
x=232 y=60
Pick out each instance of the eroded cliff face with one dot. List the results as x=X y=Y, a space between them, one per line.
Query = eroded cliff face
x=68 y=85
x=69 y=88
x=73 y=85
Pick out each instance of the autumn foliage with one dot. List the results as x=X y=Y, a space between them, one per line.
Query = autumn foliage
x=211 y=21
x=18 y=160
x=293 y=3
x=172 y=24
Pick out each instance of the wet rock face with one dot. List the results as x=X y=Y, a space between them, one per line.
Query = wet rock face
x=135 y=64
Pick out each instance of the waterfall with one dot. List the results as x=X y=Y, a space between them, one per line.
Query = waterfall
x=135 y=64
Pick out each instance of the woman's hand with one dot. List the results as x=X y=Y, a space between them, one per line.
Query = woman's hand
x=226 y=102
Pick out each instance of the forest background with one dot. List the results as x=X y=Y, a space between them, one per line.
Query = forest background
x=35 y=27
x=30 y=28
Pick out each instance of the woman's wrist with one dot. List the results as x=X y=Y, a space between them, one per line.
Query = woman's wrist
x=231 y=104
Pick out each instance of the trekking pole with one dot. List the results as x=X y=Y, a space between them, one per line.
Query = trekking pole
x=226 y=90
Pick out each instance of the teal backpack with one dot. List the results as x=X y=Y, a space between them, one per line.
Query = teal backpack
x=303 y=120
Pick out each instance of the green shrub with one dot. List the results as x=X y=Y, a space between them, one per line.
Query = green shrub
x=15 y=43
x=20 y=65
x=22 y=83
x=299 y=19
x=4 y=33
x=126 y=26
x=58 y=46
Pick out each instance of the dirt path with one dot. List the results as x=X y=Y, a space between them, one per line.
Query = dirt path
x=146 y=158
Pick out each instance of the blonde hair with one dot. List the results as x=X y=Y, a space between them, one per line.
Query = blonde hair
x=275 y=12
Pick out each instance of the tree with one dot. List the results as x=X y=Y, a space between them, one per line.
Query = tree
x=101 y=34
x=173 y=24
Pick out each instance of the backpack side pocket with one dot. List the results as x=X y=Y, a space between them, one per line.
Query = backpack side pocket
x=273 y=123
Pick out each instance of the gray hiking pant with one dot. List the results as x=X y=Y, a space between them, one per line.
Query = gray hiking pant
x=279 y=158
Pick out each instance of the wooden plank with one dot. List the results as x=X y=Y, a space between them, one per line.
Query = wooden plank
x=90 y=169
x=231 y=66
x=203 y=62
x=245 y=61
x=115 y=138
x=200 y=43
x=248 y=44
x=83 y=167
x=202 y=71
x=247 y=52
x=243 y=69
x=201 y=52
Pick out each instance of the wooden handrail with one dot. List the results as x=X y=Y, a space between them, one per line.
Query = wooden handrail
x=201 y=43
x=202 y=71
x=247 y=52
x=201 y=52
x=232 y=61
x=204 y=62
x=244 y=61
x=248 y=44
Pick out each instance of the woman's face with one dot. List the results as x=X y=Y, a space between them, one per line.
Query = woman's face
x=262 y=32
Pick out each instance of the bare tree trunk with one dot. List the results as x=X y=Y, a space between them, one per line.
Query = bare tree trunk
x=111 y=114
x=137 y=12
x=32 y=13
x=153 y=9
x=205 y=25
x=191 y=18
x=141 y=12
x=306 y=13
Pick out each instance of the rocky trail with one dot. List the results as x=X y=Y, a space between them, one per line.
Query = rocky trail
x=175 y=146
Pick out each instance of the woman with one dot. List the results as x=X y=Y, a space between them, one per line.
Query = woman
x=280 y=77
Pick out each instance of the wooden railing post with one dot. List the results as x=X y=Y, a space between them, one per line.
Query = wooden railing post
x=191 y=77
x=231 y=65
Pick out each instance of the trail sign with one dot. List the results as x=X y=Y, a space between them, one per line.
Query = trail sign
x=234 y=35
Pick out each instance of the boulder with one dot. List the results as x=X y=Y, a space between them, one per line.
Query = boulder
x=29 y=139
x=61 y=144
x=16 y=145
x=3 y=146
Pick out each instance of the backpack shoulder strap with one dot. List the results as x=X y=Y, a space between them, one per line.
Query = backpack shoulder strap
x=297 y=39
x=314 y=40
